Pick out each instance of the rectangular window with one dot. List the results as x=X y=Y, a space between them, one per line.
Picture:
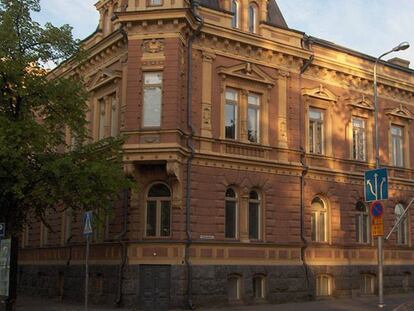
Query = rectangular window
x=151 y=218
x=152 y=99
x=362 y=227
x=253 y=220
x=316 y=135
x=358 y=138
x=114 y=116
x=154 y=2
x=253 y=118
x=231 y=114
x=397 y=145
x=165 y=218
x=102 y=118
x=230 y=219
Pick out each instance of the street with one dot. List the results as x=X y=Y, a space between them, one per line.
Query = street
x=402 y=302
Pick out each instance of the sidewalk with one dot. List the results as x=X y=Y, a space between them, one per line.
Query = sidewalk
x=401 y=302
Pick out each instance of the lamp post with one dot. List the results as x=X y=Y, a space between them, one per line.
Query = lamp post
x=400 y=47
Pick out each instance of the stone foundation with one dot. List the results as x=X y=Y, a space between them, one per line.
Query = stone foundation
x=210 y=283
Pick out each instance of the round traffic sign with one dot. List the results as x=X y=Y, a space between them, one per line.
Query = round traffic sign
x=377 y=209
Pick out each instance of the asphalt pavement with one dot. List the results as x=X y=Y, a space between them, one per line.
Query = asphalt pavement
x=402 y=302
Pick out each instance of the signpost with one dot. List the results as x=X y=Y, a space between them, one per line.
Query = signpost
x=87 y=232
x=376 y=189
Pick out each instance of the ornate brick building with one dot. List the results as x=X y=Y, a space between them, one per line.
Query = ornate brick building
x=248 y=141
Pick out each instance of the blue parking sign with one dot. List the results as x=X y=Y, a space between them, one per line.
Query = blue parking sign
x=2 y=230
x=376 y=185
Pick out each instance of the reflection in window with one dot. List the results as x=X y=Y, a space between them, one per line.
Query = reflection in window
x=358 y=139
x=402 y=230
x=316 y=135
x=231 y=214
x=231 y=114
x=319 y=221
x=158 y=211
x=152 y=99
x=362 y=223
x=253 y=118
x=397 y=145
x=254 y=216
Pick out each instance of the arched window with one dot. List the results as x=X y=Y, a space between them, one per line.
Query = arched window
x=231 y=214
x=259 y=287
x=254 y=215
x=158 y=211
x=367 y=284
x=252 y=18
x=362 y=223
x=324 y=285
x=235 y=10
x=319 y=220
x=402 y=230
x=234 y=287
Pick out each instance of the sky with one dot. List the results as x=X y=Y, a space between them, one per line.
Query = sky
x=368 y=26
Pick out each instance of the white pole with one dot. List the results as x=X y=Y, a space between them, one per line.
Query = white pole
x=87 y=273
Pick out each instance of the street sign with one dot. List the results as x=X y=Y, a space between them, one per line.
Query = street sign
x=377 y=209
x=376 y=185
x=2 y=230
x=87 y=224
x=377 y=227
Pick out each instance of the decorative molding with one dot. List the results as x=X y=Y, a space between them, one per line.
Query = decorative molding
x=400 y=112
x=320 y=92
x=361 y=103
x=247 y=71
x=153 y=46
x=102 y=77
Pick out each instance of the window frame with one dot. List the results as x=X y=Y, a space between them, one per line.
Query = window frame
x=359 y=224
x=238 y=279
x=158 y=212
x=402 y=232
x=330 y=285
x=262 y=279
x=236 y=106
x=257 y=201
x=356 y=131
x=235 y=9
x=150 y=3
x=316 y=218
x=367 y=278
x=149 y=86
x=252 y=18
x=394 y=161
x=234 y=200
x=257 y=108
x=312 y=147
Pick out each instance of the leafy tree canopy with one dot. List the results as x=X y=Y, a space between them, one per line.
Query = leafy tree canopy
x=37 y=172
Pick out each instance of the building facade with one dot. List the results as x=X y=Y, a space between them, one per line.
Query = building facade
x=248 y=141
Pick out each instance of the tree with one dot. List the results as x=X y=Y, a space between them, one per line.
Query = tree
x=37 y=172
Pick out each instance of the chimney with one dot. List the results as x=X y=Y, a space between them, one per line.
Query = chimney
x=400 y=62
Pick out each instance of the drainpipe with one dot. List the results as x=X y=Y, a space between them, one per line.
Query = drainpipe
x=190 y=144
x=123 y=244
x=305 y=168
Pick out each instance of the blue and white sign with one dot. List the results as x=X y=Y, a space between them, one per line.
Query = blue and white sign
x=87 y=224
x=376 y=185
x=2 y=230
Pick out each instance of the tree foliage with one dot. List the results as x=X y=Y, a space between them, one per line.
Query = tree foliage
x=37 y=172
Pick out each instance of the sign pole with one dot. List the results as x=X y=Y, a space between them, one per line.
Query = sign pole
x=87 y=273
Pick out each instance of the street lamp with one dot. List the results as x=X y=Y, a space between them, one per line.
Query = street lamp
x=402 y=46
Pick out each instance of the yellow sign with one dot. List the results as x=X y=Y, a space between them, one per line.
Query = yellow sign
x=377 y=226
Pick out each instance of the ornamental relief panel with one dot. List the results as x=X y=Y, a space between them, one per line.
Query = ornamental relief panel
x=153 y=46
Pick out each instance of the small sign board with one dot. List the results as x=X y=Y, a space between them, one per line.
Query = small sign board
x=377 y=209
x=87 y=224
x=5 y=253
x=2 y=230
x=377 y=227
x=376 y=185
